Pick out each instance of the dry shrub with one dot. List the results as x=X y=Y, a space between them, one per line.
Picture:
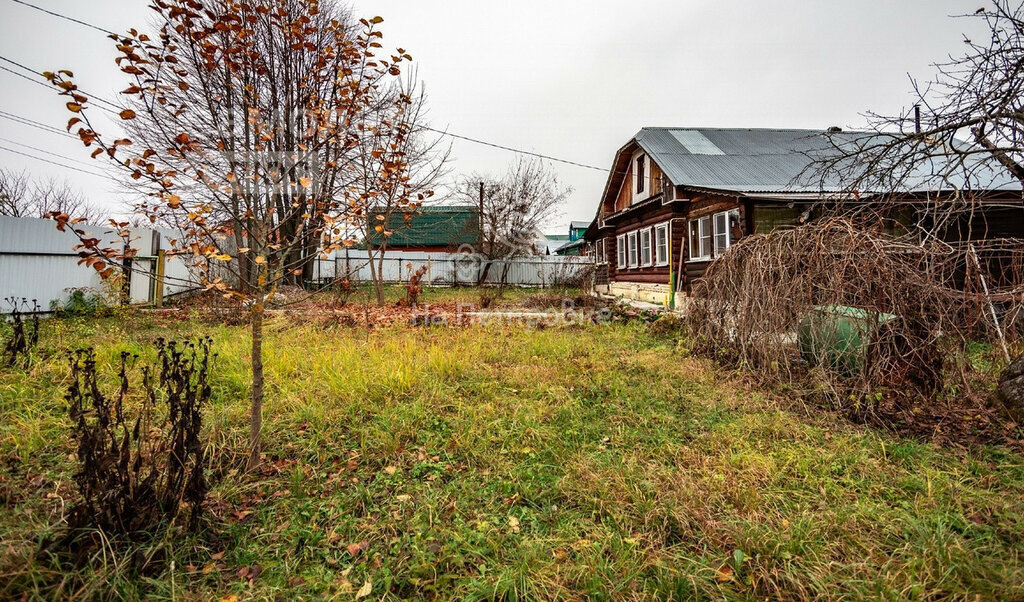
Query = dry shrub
x=21 y=338
x=413 y=288
x=669 y=326
x=141 y=459
x=910 y=313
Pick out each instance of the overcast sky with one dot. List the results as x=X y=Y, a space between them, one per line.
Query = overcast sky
x=569 y=79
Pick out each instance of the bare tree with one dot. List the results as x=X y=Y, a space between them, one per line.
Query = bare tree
x=941 y=167
x=514 y=207
x=963 y=134
x=20 y=196
x=397 y=164
x=242 y=117
x=15 y=189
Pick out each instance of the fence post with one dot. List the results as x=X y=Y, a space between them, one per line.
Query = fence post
x=158 y=290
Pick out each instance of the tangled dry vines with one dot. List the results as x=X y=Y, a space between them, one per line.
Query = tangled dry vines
x=868 y=315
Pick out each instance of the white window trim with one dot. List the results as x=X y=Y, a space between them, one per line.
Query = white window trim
x=602 y=251
x=634 y=181
x=700 y=228
x=632 y=250
x=668 y=245
x=700 y=235
x=649 y=234
x=620 y=251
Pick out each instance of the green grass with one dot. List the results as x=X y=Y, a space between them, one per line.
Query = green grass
x=510 y=297
x=501 y=462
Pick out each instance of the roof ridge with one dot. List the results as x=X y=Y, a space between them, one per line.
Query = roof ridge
x=752 y=129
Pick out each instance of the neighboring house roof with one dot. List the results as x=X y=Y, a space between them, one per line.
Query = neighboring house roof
x=435 y=226
x=579 y=242
x=549 y=242
x=575 y=225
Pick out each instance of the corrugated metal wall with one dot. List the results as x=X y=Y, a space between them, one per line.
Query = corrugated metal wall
x=453 y=268
x=38 y=262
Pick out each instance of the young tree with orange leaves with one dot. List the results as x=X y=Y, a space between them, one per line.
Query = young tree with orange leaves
x=397 y=164
x=242 y=118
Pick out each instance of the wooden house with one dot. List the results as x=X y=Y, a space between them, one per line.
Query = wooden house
x=676 y=198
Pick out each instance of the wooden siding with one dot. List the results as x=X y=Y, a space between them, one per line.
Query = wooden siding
x=625 y=197
x=645 y=217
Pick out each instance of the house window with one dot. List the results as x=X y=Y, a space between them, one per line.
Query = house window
x=700 y=239
x=710 y=236
x=601 y=252
x=631 y=246
x=620 y=245
x=721 y=233
x=641 y=177
x=661 y=244
x=645 y=247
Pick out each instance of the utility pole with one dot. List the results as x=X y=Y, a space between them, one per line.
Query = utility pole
x=480 y=219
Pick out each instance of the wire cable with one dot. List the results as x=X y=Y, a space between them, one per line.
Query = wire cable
x=36 y=124
x=441 y=132
x=85 y=171
x=65 y=17
x=34 y=72
x=43 y=150
x=515 y=150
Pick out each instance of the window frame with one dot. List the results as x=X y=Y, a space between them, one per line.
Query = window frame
x=640 y=165
x=620 y=251
x=701 y=236
x=632 y=252
x=662 y=228
x=646 y=234
x=601 y=251
x=712 y=234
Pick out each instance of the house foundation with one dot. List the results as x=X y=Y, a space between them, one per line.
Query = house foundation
x=640 y=291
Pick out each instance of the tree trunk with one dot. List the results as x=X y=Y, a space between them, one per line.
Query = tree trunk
x=377 y=276
x=483 y=274
x=504 y=278
x=256 y=394
x=379 y=283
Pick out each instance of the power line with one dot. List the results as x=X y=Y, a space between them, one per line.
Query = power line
x=515 y=150
x=36 y=124
x=442 y=132
x=85 y=171
x=43 y=150
x=65 y=17
x=34 y=72
x=23 y=76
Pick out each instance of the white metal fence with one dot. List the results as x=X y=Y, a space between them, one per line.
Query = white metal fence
x=452 y=269
x=37 y=262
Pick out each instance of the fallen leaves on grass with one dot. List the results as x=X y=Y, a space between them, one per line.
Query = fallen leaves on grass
x=365 y=590
x=355 y=549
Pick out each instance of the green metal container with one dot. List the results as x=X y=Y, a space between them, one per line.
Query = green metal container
x=837 y=336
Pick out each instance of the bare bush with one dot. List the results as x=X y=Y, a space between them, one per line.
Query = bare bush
x=21 y=340
x=872 y=315
x=139 y=462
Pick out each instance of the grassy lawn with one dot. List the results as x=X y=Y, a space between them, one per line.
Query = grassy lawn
x=569 y=462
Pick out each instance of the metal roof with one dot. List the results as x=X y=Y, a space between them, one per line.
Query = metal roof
x=578 y=224
x=755 y=160
x=435 y=225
